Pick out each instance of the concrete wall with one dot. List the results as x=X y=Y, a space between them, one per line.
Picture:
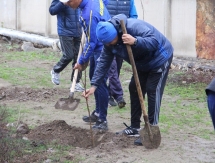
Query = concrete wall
x=29 y=16
x=8 y=19
x=184 y=27
x=176 y=19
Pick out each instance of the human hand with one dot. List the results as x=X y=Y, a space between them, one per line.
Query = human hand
x=88 y=92
x=78 y=66
x=128 y=39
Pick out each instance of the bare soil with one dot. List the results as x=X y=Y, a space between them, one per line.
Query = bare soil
x=67 y=128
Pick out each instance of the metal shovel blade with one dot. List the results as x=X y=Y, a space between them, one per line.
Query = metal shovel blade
x=154 y=141
x=67 y=103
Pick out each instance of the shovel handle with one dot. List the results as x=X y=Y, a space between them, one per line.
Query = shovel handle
x=76 y=71
x=130 y=54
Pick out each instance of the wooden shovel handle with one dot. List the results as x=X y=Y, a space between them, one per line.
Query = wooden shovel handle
x=76 y=71
x=130 y=54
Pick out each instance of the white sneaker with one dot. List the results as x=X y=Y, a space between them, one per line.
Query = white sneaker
x=55 y=77
x=79 y=87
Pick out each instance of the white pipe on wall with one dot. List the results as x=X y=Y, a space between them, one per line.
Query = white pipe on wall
x=28 y=37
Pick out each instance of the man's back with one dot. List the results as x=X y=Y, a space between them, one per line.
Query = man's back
x=126 y=7
x=67 y=19
x=92 y=12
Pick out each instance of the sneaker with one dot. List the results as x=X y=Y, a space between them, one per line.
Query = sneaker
x=138 y=142
x=129 y=131
x=78 y=87
x=92 y=118
x=121 y=103
x=100 y=125
x=111 y=102
x=55 y=77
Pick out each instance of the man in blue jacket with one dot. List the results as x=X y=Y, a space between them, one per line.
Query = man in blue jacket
x=152 y=54
x=210 y=91
x=92 y=12
x=69 y=31
x=116 y=7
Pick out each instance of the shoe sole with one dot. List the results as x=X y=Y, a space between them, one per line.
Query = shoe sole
x=138 y=144
x=136 y=135
x=79 y=90
x=99 y=130
x=111 y=105
x=121 y=104
x=89 y=121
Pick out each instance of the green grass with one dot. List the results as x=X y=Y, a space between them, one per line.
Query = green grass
x=30 y=56
x=183 y=108
x=186 y=110
x=190 y=92
x=35 y=76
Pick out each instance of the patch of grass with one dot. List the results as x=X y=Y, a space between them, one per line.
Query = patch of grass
x=35 y=76
x=21 y=74
x=60 y=153
x=30 y=56
x=187 y=108
x=205 y=133
x=189 y=92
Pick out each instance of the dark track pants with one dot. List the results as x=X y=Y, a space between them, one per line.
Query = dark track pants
x=152 y=83
x=115 y=87
x=70 y=49
x=211 y=105
x=101 y=93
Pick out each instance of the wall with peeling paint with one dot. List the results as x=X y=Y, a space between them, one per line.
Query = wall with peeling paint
x=205 y=25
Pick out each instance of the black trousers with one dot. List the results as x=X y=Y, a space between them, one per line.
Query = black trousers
x=70 y=48
x=152 y=83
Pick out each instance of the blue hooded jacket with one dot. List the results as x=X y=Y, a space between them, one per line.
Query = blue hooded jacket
x=67 y=19
x=92 y=12
x=151 y=51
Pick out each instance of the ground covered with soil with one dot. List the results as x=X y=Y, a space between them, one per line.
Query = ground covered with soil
x=57 y=135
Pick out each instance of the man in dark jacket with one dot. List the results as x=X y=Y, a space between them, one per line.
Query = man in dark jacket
x=210 y=91
x=69 y=31
x=92 y=12
x=116 y=7
x=152 y=54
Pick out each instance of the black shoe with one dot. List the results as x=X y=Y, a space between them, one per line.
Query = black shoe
x=121 y=103
x=111 y=102
x=138 y=142
x=129 y=131
x=100 y=125
x=92 y=118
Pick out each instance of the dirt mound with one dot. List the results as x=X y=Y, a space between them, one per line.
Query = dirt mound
x=187 y=77
x=61 y=132
x=25 y=94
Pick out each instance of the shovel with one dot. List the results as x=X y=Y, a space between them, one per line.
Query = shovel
x=150 y=135
x=71 y=103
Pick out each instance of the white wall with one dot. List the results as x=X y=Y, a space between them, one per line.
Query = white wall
x=176 y=19
x=184 y=27
x=8 y=19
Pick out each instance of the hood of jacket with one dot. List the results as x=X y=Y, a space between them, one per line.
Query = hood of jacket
x=116 y=22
